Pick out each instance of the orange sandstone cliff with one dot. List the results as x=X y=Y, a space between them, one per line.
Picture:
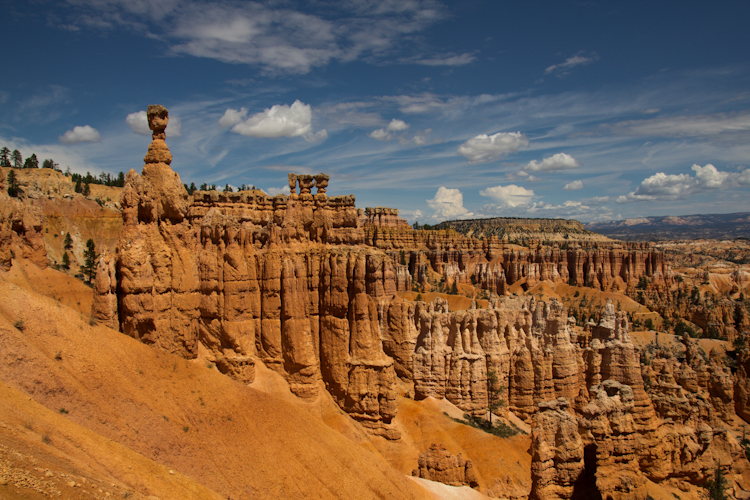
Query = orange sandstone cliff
x=310 y=286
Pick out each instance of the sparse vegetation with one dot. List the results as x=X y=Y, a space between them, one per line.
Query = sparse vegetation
x=88 y=269
x=499 y=429
x=13 y=188
x=717 y=486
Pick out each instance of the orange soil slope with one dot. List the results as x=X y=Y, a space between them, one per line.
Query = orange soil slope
x=44 y=454
x=235 y=440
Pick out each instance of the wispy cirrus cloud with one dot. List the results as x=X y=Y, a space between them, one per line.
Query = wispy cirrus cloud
x=563 y=68
x=449 y=59
x=685 y=125
x=278 y=38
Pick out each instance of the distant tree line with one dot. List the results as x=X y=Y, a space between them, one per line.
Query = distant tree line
x=14 y=159
x=212 y=187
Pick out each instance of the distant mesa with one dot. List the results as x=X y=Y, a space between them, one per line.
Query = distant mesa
x=510 y=228
x=682 y=227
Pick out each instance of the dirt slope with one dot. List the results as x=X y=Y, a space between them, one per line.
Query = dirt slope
x=233 y=439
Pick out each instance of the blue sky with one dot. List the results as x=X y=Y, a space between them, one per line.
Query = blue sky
x=587 y=110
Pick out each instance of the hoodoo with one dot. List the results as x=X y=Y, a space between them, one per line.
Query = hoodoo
x=315 y=289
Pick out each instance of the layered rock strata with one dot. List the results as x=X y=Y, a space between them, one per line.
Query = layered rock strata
x=301 y=283
x=604 y=265
x=382 y=217
x=20 y=230
x=438 y=464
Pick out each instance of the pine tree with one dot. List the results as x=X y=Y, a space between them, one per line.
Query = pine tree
x=31 y=162
x=5 y=157
x=494 y=393
x=17 y=159
x=717 y=487
x=13 y=188
x=454 y=288
x=68 y=241
x=86 y=189
x=88 y=269
x=65 y=261
x=78 y=187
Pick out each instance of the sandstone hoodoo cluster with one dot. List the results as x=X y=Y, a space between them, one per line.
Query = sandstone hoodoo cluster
x=316 y=290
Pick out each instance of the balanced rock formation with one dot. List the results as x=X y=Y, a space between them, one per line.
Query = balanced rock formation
x=438 y=464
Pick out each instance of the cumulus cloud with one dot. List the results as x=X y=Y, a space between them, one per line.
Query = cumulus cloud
x=273 y=191
x=279 y=120
x=232 y=117
x=564 y=67
x=510 y=195
x=573 y=186
x=559 y=161
x=138 y=123
x=81 y=134
x=709 y=177
x=448 y=204
x=661 y=186
x=388 y=133
x=484 y=148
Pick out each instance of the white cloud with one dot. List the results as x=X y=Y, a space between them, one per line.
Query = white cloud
x=278 y=36
x=232 y=117
x=380 y=134
x=397 y=125
x=661 y=186
x=576 y=60
x=510 y=195
x=686 y=126
x=484 y=148
x=573 y=186
x=272 y=191
x=443 y=60
x=387 y=133
x=278 y=121
x=448 y=204
x=744 y=177
x=138 y=123
x=80 y=134
x=559 y=161
x=174 y=129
